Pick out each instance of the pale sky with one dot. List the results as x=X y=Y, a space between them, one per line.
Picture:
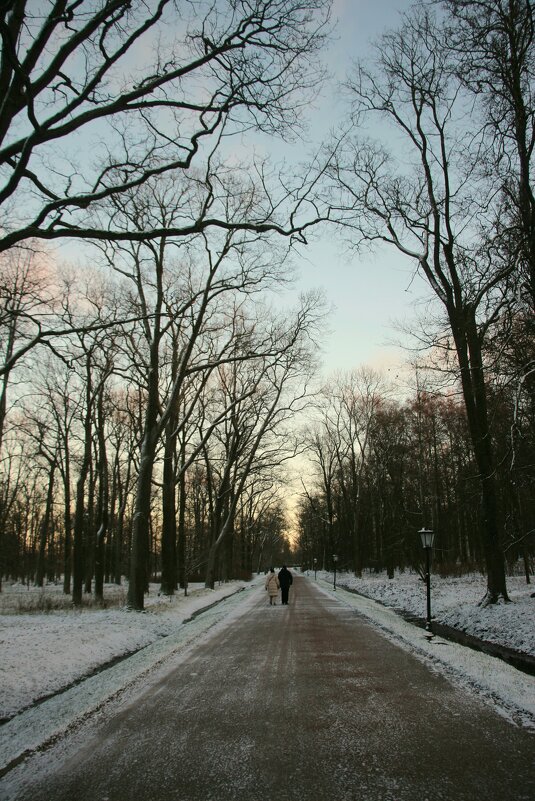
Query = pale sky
x=372 y=292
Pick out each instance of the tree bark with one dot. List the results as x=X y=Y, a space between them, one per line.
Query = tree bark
x=67 y=525
x=169 y=524
x=103 y=500
x=45 y=526
x=181 y=544
x=80 y=508
x=139 y=549
x=468 y=346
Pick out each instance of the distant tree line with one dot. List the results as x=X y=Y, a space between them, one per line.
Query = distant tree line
x=230 y=371
x=384 y=469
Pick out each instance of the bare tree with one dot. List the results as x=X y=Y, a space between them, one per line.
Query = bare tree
x=357 y=399
x=438 y=214
x=262 y=502
x=25 y=293
x=57 y=397
x=67 y=78
x=322 y=449
x=21 y=500
x=183 y=290
x=47 y=454
x=338 y=442
x=124 y=432
x=90 y=355
x=493 y=42
x=262 y=394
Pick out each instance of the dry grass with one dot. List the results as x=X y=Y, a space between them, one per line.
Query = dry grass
x=19 y=599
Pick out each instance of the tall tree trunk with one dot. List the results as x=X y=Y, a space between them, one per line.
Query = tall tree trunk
x=475 y=396
x=78 y=538
x=181 y=544
x=103 y=500
x=67 y=525
x=10 y=344
x=112 y=527
x=45 y=525
x=79 y=512
x=122 y=490
x=221 y=525
x=139 y=549
x=89 y=530
x=169 y=525
x=228 y=560
x=215 y=550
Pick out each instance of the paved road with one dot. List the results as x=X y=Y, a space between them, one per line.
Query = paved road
x=301 y=702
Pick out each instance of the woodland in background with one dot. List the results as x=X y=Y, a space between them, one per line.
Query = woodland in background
x=71 y=444
x=383 y=469
x=151 y=393
x=436 y=165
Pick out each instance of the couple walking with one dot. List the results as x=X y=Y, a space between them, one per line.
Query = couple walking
x=273 y=582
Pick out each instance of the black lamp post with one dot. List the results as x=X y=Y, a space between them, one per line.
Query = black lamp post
x=315 y=568
x=335 y=560
x=427 y=536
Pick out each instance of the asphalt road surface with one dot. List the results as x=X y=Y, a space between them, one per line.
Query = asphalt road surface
x=305 y=701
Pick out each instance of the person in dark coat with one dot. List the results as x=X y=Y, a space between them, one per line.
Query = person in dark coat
x=285 y=581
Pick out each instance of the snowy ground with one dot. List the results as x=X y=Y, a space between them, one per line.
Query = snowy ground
x=510 y=691
x=455 y=603
x=45 y=653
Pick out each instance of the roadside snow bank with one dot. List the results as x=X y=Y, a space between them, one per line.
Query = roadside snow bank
x=454 y=602
x=510 y=691
x=43 y=723
x=44 y=653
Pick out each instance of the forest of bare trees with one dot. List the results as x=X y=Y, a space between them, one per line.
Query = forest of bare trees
x=453 y=86
x=147 y=383
x=150 y=381
x=384 y=468
x=167 y=434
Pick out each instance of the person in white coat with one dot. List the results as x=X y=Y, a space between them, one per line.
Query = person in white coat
x=272 y=586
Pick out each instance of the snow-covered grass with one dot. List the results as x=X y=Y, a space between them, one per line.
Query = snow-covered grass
x=508 y=690
x=44 y=652
x=455 y=602
x=65 y=647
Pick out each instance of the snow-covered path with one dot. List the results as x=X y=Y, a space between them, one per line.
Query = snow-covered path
x=310 y=692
